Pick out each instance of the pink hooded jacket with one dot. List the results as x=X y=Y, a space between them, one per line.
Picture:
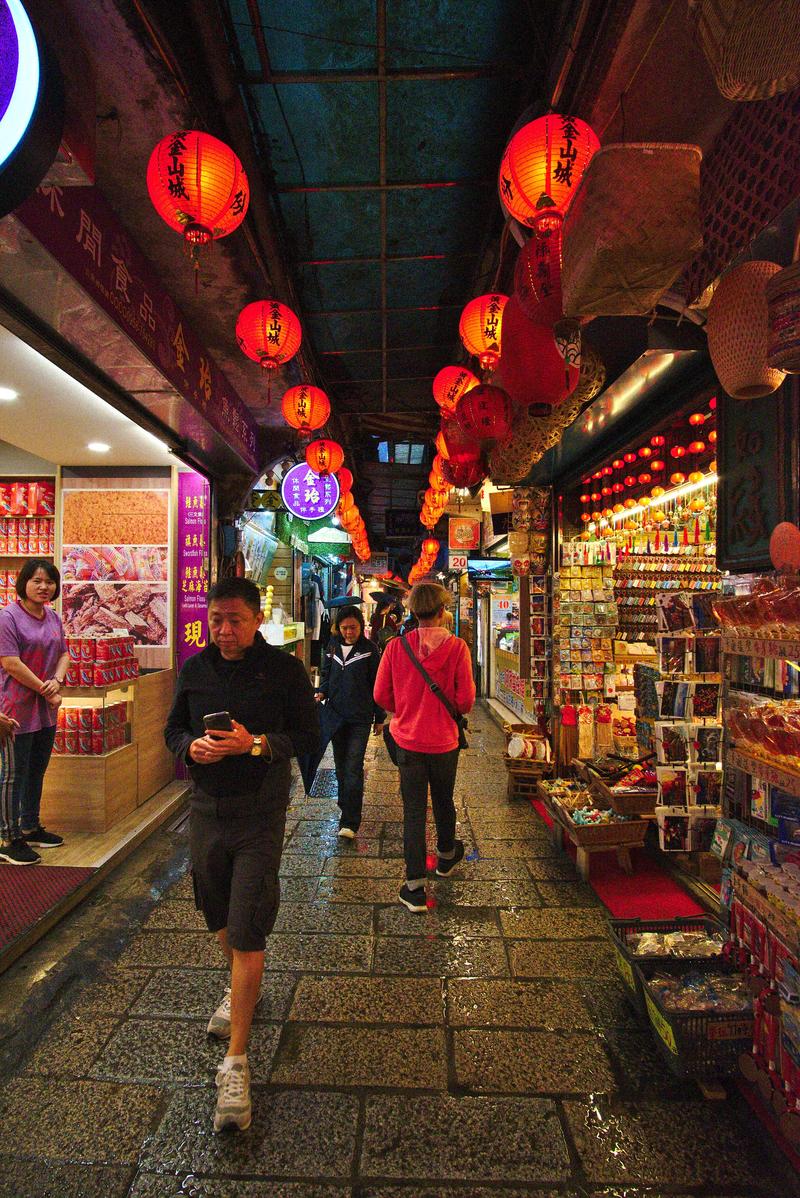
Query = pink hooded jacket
x=421 y=722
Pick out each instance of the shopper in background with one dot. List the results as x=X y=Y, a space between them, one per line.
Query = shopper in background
x=426 y=735
x=33 y=662
x=386 y=618
x=349 y=668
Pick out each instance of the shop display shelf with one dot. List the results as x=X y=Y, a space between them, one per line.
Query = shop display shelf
x=620 y=929
x=761 y=647
x=95 y=692
x=787 y=780
x=700 y=1045
x=618 y=834
x=93 y=756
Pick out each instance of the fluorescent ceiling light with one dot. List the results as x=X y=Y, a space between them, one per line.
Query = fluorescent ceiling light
x=98 y=447
x=7 y=394
x=667 y=497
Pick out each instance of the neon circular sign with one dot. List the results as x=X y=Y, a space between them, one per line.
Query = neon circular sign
x=20 y=72
x=308 y=495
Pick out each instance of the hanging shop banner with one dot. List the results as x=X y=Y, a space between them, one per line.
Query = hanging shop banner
x=308 y=495
x=84 y=235
x=193 y=554
x=464 y=533
x=377 y=564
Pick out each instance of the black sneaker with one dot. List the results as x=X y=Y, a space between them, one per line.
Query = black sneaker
x=40 y=839
x=18 y=853
x=415 y=900
x=446 y=865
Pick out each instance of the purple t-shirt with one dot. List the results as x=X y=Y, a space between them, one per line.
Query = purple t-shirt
x=38 y=644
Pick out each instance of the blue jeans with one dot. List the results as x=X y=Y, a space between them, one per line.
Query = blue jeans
x=417 y=772
x=32 y=752
x=349 y=746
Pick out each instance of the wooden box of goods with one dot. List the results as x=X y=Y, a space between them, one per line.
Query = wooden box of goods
x=561 y=796
x=611 y=831
x=635 y=792
x=528 y=758
x=624 y=732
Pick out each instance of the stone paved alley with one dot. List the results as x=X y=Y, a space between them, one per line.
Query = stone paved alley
x=484 y=1048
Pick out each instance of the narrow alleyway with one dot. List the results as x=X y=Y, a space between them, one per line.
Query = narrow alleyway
x=484 y=1048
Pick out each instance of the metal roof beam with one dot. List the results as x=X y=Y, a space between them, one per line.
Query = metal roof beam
x=390 y=75
x=384 y=186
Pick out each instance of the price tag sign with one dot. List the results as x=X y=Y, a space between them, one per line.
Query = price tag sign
x=457 y=561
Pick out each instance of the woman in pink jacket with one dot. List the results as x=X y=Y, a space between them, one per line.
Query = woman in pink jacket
x=425 y=732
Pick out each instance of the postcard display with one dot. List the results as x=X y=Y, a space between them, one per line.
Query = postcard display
x=115 y=560
x=678 y=719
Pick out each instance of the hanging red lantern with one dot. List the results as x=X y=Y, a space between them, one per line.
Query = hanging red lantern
x=441 y=445
x=657 y=441
x=434 y=497
x=198 y=186
x=617 y=487
x=656 y=465
x=486 y=413
x=677 y=479
x=677 y=451
x=697 y=447
x=481 y=327
x=645 y=478
x=306 y=408
x=460 y=446
x=325 y=457
x=696 y=419
x=542 y=166
x=712 y=403
x=629 y=457
x=617 y=463
x=537 y=274
x=605 y=490
x=585 y=498
x=345 y=478
x=630 y=480
x=268 y=333
x=712 y=436
x=464 y=474
x=585 y=517
x=532 y=368
x=450 y=384
x=430 y=547
x=346 y=502
x=645 y=452
x=598 y=474
x=606 y=471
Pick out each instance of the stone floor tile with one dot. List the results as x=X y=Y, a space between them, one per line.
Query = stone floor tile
x=315 y=953
x=80 y=1122
x=182 y=890
x=170 y=1051
x=551 y=868
x=30 y=1179
x=196 y=994
x=480 y=868
x=554 y=959
x=515 y=848
x=639 y=1067
x=362 y=867
x=682 y=1143
x=421 y=1190
x=416 y=956
x=551 y=924
x=176 y=914
x=300 y=865
x=531 y=1062
x=316 y=847
x=150 y=1185
x=466 y=891
x=607 y=1003
x=294 y=1133
x=111 y=992
x=475 y=1002
x=368 y=1000
x=198 y=950
x=298 y=890
x=70 y=1047
x=440 y=920
x=474 y=1139
x=344 y=920
x=568 y=894
x=358 y=890
x=311 y=1055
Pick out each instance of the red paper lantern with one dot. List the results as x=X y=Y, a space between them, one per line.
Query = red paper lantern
x=656 y=465
x=450 y=384
x=325 y=457
x=532 y=369
x=617 y=487
x=542 y=166
x=464 y=474
x=598 y=474
x=537 y=275
x=605 y=490
x=677 y=479
x=481 y=327
x=441 y=445
x=198 y=186
x=712 y=403
x=657 y=441
x=585 y=498
x=677 y=451
x=269 y=333
x=585 y=517
x=712 y=436
x=617 y=463
x=346 y=502
x=430 y=547
x=595 y=496
x=486 y=413
x=306 y=408
x=696 y=419
x=697 y=447
x=629 y=457
x=460 y=446
x=645 y=478
x=606 y=471
x=630 y=480
x=345 y=478
x=645 y=452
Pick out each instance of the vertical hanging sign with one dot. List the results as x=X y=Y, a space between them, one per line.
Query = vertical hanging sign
x=194 y=496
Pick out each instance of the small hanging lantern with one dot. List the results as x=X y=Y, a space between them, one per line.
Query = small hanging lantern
x=712 y=436
x=430 y=547
x=644 y=478
x=629 y=458
x=645 y=452
x=677 y=479
x=696 y=419
x=345 y=478
x=325 y=457
x=658 y=441
x=656 y=465
x=450 y=384
x=543 y=164
x=306 y=408
x=618 y=463
x=677 y=451
x=461 y=447
x=486 y=413
x=480 y=328
x=630 y=480
x=696 y=476
x=697 y=447
x=269 y=333
x=617 y=488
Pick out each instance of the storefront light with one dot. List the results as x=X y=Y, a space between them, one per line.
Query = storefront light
x=670 y=496
x=7 y=395
x=98 y=447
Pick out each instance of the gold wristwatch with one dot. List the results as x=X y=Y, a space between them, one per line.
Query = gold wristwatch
x=258 y=746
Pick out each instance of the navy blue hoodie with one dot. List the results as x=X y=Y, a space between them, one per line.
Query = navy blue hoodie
x=347 y=683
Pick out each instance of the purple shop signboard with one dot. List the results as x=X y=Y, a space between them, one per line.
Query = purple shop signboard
x=193 y=561
x=308 y=495
x=81 y=231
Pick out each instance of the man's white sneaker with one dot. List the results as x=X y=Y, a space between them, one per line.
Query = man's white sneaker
x=233 y=1097
x=220 y=1022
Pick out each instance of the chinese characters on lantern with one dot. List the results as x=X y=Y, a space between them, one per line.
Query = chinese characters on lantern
x=193 y=530
x=308 y=495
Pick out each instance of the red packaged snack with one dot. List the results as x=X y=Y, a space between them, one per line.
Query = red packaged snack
x=72 y=676
x=5 y=499
x=70 y=718
x=11 y=539
x=88 y=649
x=71 y=741
x=59 y=744
x=97 y=742
x=22 y=537
x=47 y=499
x=86 y=675
x=19 y=499
x=45 y=547
x=74 y=648
x=85 y=719
x=103 y=649
x=33 y=498
x=61 y=717
x=98 y=719
x=98 y=676
x=84 y=744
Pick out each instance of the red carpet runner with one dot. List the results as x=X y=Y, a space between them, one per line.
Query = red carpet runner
x=28 y=893
x=648 y=893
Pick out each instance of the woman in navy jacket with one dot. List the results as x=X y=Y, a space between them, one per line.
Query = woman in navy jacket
x=349 y=712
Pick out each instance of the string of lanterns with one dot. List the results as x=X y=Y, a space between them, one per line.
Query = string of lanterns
x=429 y=551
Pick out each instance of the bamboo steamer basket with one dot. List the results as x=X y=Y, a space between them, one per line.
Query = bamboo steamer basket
x=752 y=46
x=738 y=331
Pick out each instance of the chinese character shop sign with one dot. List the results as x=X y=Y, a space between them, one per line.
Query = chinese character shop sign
x=193 y=529
x=308 y=495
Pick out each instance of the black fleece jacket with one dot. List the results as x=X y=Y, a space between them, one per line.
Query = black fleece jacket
x=269 y=692
x=347 y=683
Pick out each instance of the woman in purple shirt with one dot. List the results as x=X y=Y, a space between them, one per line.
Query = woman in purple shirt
x=33 y=662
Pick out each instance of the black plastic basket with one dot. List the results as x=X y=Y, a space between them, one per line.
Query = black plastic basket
x=627 y=961
x=697 y=1045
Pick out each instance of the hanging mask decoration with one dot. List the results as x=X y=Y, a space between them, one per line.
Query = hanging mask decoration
x=567 y=336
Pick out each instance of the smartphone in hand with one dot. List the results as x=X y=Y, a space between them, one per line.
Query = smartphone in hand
x=218 y=721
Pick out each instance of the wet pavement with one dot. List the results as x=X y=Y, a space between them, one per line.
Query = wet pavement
x=484 y=1048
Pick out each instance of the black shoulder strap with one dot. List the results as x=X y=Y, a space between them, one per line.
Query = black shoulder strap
x=434 y=686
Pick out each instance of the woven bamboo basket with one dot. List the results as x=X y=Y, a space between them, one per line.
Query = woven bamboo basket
x=752 y=46
x=783 y=305
x=593 y=376
x=738 y=331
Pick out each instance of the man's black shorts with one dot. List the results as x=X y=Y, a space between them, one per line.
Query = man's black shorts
x=235 y=865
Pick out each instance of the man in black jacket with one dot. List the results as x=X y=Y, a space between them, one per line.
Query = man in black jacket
x=240 y=793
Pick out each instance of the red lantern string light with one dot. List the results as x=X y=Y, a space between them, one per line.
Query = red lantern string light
x=305 y=408
x=450 y=384
x=345 y=478
x=712 y=403
x=595 y=496
x=645 y=452
x=645 y=478
x=656 y=465
x=617 y=463
x=486 y=414
x=617 y=488
x=712 y=436
x=585 y=498
x=677 y=479
x=606 y=471
x=629 y=457
x=325 y=457
x=481 y=328
x=677 y=451
x=697 y=447
x=542 y=166
x=198 y=186
x=658 y=441
x=696 y=419
x=605 y=490
x=430 y=547
x=630 y=480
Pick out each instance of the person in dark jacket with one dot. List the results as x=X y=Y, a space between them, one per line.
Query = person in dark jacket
x=349 y=667
x=240 y=792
